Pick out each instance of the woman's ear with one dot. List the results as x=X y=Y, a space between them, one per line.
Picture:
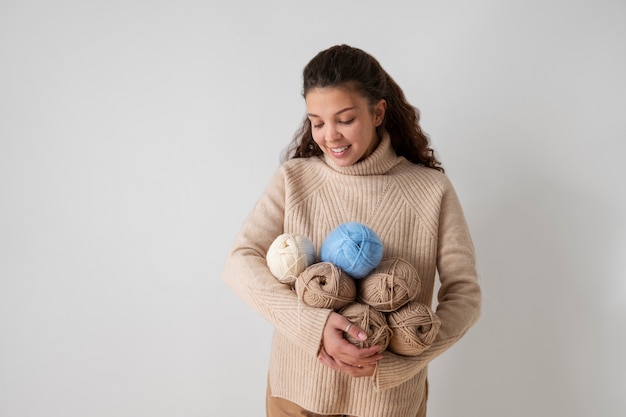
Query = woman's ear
x=379 y=111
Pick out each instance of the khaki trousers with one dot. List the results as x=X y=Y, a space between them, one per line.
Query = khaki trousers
x=279 y=407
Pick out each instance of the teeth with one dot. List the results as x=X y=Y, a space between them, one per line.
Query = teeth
x=339 y=150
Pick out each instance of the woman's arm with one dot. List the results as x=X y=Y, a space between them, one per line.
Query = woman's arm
x=247 y=273
x=459 y=297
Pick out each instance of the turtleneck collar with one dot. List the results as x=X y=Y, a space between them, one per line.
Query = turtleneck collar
x=379 y=162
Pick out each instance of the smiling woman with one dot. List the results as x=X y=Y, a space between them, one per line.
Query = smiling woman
x=344 y=123
x=359 y=156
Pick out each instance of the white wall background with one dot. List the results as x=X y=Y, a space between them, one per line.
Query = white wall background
x=136 y=135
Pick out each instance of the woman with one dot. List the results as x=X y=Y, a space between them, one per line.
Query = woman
x=360 y=156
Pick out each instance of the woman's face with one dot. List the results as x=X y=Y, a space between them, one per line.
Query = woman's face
x=343 y=123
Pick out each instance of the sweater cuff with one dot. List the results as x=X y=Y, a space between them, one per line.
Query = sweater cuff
x=311 y=328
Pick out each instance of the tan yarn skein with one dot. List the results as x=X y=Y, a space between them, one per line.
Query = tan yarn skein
x=413 y=327
x=373 y=322
x=391 y=285
x=326 y=286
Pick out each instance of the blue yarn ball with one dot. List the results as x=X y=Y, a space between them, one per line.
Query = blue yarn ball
x=354 y=248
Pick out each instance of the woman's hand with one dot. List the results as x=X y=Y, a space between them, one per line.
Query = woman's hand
x=341 y=355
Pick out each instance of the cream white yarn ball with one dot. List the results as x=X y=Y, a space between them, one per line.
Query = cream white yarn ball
x=289 y=255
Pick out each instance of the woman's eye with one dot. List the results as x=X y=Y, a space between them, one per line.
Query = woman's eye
x=346 y=122
x=317 y=126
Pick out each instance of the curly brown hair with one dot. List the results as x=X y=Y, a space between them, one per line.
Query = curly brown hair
x=346 y=66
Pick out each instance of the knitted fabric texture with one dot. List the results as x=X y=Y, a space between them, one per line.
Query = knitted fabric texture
x=413 y=329
x=323 y=285
x=391 y=285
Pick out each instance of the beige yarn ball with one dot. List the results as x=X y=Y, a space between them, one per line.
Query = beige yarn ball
x=391 y=285
x=414 y=327
x=372 y=321
x=289 y=255
x=324 y=285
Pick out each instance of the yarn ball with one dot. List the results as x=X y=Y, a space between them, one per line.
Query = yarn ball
x=413 y=329
x=391 y=285
x=289 y=255
x=371 y=321
x=353 y=247
x=324 y=285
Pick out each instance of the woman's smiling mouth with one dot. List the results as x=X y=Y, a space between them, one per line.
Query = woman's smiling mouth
x=339 y=150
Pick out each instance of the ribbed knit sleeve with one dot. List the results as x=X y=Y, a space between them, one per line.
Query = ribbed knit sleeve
x=247 y=273
x=459 y=297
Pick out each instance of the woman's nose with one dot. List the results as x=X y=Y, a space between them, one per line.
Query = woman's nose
x=332 y=133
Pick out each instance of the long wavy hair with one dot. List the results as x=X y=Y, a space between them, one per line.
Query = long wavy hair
x=346 y=66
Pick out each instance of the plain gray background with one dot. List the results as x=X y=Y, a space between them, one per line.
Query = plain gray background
x=136 y=135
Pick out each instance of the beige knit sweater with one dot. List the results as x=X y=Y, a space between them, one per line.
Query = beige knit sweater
x=416 y=213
